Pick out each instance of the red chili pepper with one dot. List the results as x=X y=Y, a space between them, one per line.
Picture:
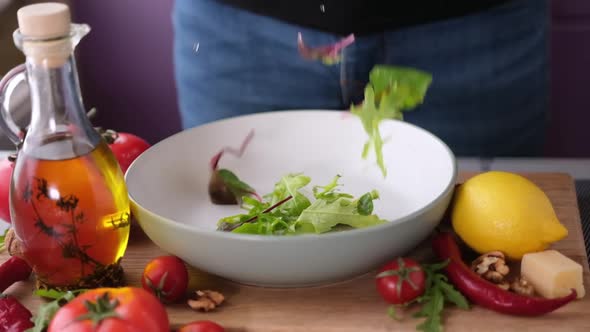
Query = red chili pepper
x=485 y=293
x=14 y=317
x=13 y=270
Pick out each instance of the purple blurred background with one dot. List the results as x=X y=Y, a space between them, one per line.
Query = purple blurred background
x=125 y=66
x=126 y=70
x=569 y=134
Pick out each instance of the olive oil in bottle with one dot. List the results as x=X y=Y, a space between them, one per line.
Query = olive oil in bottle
x=68 y=199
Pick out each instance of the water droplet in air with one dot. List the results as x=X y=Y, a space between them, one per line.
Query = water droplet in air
x=196 y=47
x=322 y=8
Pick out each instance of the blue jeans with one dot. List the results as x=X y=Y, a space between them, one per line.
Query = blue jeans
x=489 y=95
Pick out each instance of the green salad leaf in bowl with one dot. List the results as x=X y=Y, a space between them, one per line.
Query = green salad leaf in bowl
x=288 y=211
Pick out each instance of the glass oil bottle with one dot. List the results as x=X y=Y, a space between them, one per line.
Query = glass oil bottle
x=68 y=199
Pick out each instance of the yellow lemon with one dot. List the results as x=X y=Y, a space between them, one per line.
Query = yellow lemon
x=507 y=212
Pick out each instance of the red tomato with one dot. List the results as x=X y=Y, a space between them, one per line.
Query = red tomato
x=401 y=281
x=112 y=310
x=202 y=326
x=127 y=147
x=166 y=277
x=6 y=168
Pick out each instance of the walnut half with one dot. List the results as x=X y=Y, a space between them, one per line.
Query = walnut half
x=491 y=266
x=206 y=300
x=13 y=245
x=521 y=286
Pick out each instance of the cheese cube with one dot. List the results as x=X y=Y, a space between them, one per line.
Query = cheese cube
x=552 y=274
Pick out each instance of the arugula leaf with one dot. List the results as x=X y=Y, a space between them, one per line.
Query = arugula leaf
x=324 y=215
x=289 y=204
x=48 y=310
x=266 y=224
x=289 y=211
x=454 y=296
x=289 y=185
x=263 y=218
x=436 y=266
x=438 y=291
x=254 y=208
x=329 y=192
x=365 y=204
x=252 y=228
x=56 y=294
x=391 y=90
x=432 y=311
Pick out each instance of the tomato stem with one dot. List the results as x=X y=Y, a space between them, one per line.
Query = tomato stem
x=403 y=272
x=159 y=291
x=100 y=310
x=109 y=135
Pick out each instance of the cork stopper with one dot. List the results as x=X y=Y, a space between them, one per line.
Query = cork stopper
x=44 y=20
x=40 y=27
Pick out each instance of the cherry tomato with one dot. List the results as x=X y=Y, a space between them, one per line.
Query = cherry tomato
x=401 y=281
x=6 y=168
x=166 y=277
x=202 y=326
x=126 y=147
x=112 y=310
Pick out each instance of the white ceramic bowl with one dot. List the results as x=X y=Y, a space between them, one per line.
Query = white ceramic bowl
x=168 y=189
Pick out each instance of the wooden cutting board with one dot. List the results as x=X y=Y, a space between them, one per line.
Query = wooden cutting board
x=354 y=305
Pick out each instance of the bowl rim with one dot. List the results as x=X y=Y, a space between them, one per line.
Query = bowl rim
x=301 y=237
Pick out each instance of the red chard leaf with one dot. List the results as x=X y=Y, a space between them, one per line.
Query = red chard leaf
x=224 y=186
x=236 y=152
x=328 y=54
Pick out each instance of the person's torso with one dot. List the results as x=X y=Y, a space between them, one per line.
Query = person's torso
x=362 y=16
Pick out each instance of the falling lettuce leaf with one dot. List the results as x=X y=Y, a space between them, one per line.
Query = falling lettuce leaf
x=407 y=86
x=288 y=211
x=391 y=91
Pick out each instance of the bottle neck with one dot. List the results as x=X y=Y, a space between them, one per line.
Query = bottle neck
x=57 y=111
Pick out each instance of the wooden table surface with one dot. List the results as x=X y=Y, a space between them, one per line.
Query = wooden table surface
x=354 y=305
